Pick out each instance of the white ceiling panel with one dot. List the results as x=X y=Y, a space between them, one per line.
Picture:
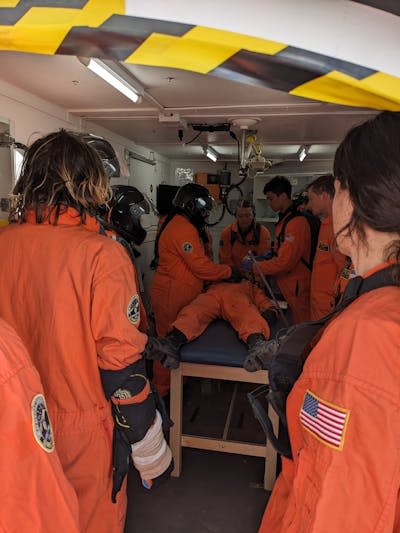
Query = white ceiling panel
x=284 y=121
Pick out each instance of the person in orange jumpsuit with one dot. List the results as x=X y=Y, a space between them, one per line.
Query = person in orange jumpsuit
x=243 y=235
x=347 y=273
x=182 y=265
x=328 y=261
x=35 y=494
x=343 y=412
x=244 y=305
x=292 y=251
x=71 y=295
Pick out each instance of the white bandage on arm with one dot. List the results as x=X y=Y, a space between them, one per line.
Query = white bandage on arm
x=152 y=455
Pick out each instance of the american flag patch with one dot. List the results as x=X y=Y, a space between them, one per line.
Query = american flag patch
x=325 y=421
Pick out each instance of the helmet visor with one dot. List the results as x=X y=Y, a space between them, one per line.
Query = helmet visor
x=140 y=208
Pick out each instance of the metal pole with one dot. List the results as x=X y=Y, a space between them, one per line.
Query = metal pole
x=268 y=287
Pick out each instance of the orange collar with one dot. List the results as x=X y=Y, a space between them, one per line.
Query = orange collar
x=70 y=217
x=381 y=266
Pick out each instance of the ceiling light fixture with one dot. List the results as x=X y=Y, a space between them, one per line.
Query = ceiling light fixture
x=303 y=152
x=211 y=153
x=116 y=75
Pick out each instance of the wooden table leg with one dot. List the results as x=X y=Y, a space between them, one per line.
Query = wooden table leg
x=271 y=455
x=176 y=408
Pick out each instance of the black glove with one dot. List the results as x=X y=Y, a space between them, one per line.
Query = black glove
x=133 y=409
x=235 y=277
x=121 y=457
x=133 y=404
x=167 y=349
x=162 y=409
x=154 y=349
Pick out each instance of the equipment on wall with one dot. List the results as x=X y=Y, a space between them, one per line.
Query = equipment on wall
x=251 y=159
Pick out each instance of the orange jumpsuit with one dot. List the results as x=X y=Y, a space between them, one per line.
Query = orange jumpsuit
x=328 y=263
x=291 y=274
x=232 y=254
x=34 y=492
x=71 y=295
x=344 y=425
x=182 y=269
x=237 y=303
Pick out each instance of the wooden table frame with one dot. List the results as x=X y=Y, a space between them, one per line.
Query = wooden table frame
x=177 y=439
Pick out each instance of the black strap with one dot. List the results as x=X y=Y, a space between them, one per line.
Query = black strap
x=293 y=213
x=290 y=350
x=170 y=216
x=256 y=228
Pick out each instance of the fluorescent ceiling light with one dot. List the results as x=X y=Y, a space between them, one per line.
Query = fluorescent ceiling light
x=116 y=76
x=303 y=151
x=211 y=153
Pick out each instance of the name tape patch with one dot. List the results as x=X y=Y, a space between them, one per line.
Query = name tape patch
x=323 y=246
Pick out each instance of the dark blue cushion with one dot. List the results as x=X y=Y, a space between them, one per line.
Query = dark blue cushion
x=218 y=345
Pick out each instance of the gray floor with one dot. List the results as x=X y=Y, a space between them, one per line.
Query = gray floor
x=217 y=492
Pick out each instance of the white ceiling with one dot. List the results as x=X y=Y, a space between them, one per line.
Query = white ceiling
x=285 y=121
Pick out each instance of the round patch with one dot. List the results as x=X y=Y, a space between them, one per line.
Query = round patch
x=42 y=430
x=133 y=311
x=187 y=247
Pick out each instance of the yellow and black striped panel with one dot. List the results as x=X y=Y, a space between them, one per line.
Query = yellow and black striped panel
x=94 y=28
x=391 y=6
x=118 y=37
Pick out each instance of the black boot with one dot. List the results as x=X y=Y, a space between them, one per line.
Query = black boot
x=257 y=355
x=174 y=342
x=270 y=316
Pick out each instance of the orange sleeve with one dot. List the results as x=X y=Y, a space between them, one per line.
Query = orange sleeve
x=265 y=241
x=362 y=386
x=190 y=248
x=30 y=468
x=225 y=247
x=295 y=246
x=115 y=314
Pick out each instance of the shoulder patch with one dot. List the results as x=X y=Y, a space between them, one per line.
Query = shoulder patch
x=325 y=421
x=323 y=246
x=187 y=247
x=133 y=311
x=41 y=425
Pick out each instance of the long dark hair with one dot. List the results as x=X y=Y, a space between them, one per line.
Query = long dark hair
x=59 y=171
x=367 y=164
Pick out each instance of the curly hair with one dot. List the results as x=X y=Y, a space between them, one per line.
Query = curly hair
x=59 y=171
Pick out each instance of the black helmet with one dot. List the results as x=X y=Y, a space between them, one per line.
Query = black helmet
x=106 y=153
x=127 y=205
x=194 y=201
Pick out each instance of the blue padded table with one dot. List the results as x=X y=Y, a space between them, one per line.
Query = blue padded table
x=217 y=354
x=218 y=345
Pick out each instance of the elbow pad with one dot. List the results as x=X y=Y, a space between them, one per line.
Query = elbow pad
x=132 y=400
